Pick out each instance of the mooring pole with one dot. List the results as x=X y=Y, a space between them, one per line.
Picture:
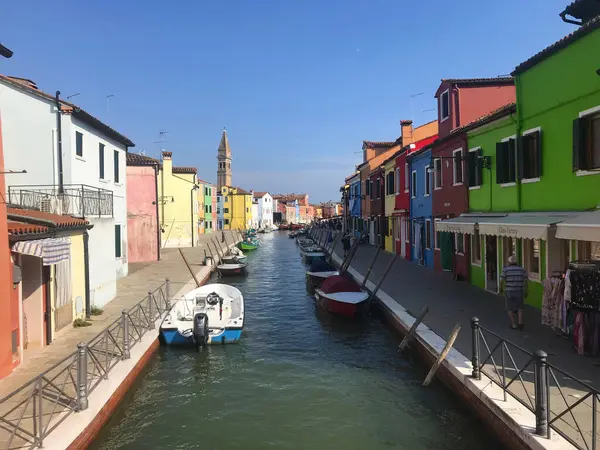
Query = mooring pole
x=212 y=256
x=217 y=248
x=333 y=245
x=413 y=329
x=375 y=255
x=387 y=270
x=219 y=259
x=226 y=244
x=443 y=355
x=189 y=268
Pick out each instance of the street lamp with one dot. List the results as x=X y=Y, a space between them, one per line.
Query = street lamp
x=195 y=188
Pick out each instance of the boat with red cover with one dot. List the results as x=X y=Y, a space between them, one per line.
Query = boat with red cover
x=341 y=295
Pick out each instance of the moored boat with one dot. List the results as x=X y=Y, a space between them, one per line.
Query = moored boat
x=234 y=259
x=210 y=314
x=319 y=271
x=311 y=255
x=341 y=295
x=247 y=247
x=232 y=268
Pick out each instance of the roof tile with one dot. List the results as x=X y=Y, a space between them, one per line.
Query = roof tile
x=135 y=159
x=188 y=170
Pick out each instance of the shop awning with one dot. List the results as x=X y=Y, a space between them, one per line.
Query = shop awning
x=51 y=250
x=522 y=225
x=584 y=227
x=462 y=224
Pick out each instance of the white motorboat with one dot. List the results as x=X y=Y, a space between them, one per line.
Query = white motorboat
x=210 y=314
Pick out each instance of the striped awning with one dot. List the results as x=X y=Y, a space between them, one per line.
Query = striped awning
x=51 y=250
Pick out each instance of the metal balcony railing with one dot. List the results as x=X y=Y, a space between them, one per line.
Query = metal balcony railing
x=560 y=402
x=77 y=200
x=30 y=413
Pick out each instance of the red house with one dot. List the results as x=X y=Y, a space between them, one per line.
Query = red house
x=377 y=207
x=460 y=102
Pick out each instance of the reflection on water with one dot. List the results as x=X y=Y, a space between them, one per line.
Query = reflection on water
x=299 y=379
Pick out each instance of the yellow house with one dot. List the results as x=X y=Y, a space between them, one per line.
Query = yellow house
x=226 y=207
x=237 y=208
x=391 y=187
x=178 y=204
x=201 y=207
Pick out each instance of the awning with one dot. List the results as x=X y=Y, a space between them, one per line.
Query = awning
x=522 y=225
x=464 y=225
x=51 y=250
x=584 y=227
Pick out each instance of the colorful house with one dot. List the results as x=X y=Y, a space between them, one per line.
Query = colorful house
x=214 y=208
x=377 y=217
x=143 y=231
x=391 y=190
x=237 y=208
x=207 y=192
x=460 y=102
x=178 y=204
x=354 y=203
x=421 y=236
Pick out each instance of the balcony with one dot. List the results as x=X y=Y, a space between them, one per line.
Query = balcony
x=77 y=200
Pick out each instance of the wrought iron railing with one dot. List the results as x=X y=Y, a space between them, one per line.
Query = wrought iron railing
x=559 y=401
x=78 y=200
x=29 y=414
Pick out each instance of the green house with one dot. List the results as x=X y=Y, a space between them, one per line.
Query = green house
x=535 y=171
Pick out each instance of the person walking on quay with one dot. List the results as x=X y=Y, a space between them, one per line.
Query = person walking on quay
x=222 y=235
x=346 y=244
x=514 y=287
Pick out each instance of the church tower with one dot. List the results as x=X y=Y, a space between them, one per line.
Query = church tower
x=224 y=158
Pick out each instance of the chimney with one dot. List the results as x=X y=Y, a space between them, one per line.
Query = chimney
x=167 y=162
x=407 y=132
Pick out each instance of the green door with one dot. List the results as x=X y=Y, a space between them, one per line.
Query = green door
x=446 y=248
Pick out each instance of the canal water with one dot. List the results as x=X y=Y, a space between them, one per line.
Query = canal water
x=299 y=379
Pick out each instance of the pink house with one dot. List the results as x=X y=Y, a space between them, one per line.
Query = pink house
x=143 y=232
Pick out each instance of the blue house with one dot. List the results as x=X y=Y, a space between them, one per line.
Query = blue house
x=422 y=233
x=354 y=203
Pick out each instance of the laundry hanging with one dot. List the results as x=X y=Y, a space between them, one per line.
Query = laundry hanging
x=50 y=250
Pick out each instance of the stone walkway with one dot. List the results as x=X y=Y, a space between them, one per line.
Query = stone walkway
x=130 y=290
x=452 y=302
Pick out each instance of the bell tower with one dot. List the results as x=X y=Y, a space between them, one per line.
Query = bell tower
x=224 y=158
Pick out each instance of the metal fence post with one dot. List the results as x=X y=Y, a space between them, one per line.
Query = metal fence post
x=82 y=390
x=168 y=293
x=150 y=311
x=82 y=210
x=541 y=393
x=475 y=348
x=125 y=326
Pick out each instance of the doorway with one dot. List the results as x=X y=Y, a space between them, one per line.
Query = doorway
x=491 y=263
x=46 y=298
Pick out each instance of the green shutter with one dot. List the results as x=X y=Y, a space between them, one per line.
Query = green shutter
x=472 y=168
x=500 y=163
x=538 y=150
x=510 y=148
x=117 y=241
x=522 y=141
x=580 y=127
x=479 y=166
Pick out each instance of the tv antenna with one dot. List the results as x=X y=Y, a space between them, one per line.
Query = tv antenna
x=73 y=95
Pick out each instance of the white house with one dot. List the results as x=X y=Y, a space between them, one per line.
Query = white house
x=265 y=208
x=255 y=221
x=75 y=165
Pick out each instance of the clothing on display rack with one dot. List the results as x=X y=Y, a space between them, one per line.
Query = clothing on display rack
x=554 y=308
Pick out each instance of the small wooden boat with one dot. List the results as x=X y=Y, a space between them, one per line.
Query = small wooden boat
x=211 y=314
x=341 y=295
x=247 y=247
x=310 y=256
x=232 y=269
x=234 y=259
x=319 y=271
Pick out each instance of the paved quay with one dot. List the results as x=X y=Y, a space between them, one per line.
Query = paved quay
x=130 y=290
x=452 y=302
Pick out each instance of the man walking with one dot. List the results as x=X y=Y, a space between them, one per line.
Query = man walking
x=514 y=287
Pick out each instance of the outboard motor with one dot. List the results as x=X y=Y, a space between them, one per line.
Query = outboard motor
x=200 y=330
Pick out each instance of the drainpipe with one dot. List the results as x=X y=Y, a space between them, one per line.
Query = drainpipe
x=192 y=211
x=59 y=139
x=86 y=268
x=157 y=222
x=518 y=140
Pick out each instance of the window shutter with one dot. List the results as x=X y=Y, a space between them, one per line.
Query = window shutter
x=478 y=167
x=471 y=167
x=510 y=148
x=520 y=159
x=538 y=150
x=579 y=140
x=500 y=163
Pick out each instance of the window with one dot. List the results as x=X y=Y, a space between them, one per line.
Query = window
x=390 y=184
x=377 y=188
x=226 y=199
x=247 y=210
x=101 y=160
x=226 y=221
x=457 y=166
x=474 y=167
x=397 y=180
x=414 y=185
x=210 y=209
x=437 y=173
x=505 y=161
x=587 y=250
x=476 y=248
x=586 y=142
x=226 y=210
x=459 y=243
x=367 y=187
x=406 y=178
x=218 y=210
x=427 y=181
x=116 y=156
x=531 y=252
x=406 y=230
x=428 y=234
x=118 y=250
x=78 y=144
x=530 y=155
x=509 y=248
x=445 y=105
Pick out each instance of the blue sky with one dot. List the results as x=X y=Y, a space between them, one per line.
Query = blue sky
x=298 y=83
